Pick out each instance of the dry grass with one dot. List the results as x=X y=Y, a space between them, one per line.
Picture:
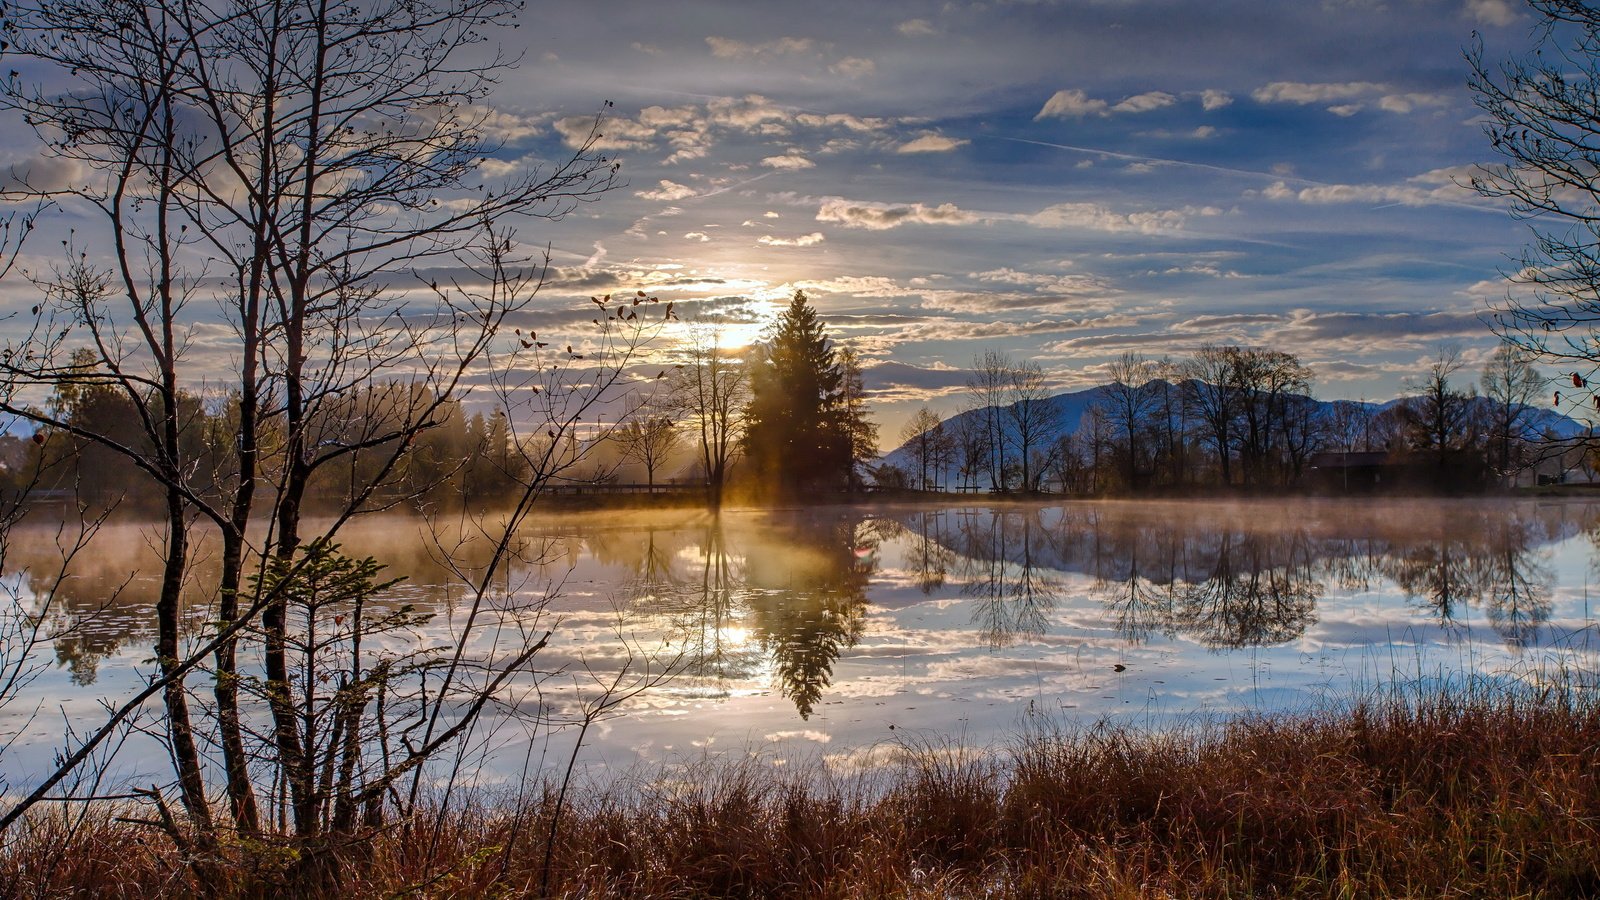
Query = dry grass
x=1445 y=797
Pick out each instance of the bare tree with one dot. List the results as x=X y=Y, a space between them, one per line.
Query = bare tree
x=986 y=392
x=712 y=388
x=648 y=440
x=1127 y=405
x=1211 y=392
x=294 y=164
x=1033 y=418
x=1540 y=115
x=1511 y=385
x=1439 y=418
x=924 y=436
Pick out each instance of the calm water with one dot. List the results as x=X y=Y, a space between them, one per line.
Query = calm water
x=826 y=633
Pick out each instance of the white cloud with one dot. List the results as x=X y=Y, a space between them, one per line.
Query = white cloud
x=1071 y=104
x=728 y=48
x=1095 y=217
x=791 y=161
x=932 y=143
x=1438 y=186
x=805 y=240
x=1491 y=12
x=1349 y=97
x=1304 y=92
x=508 y=127
x=700 y=236
x=615 y=134
x=769 y=214
x=1214 y=99
x=883 y=216
x=915 y=28
x=667 y=191
x=1404 y=103
x=1150 y=100
x=853 y=67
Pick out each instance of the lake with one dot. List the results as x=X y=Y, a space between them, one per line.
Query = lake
x=826 y=633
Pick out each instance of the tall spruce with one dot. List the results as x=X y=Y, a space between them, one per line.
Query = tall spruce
x=796 y=434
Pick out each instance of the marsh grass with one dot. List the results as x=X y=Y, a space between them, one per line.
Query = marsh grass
x=1481 y=793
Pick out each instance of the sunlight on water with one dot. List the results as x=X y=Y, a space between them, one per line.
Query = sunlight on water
x=827 y=632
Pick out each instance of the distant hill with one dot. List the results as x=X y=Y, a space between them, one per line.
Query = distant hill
x=1070 y=409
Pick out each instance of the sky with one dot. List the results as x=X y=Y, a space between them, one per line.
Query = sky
x=1062 y=181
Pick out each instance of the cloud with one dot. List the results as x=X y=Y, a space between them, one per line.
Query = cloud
x=1095 y=217
x=1214 y=99
x=1491 y=12
x=1046 y=283
x=1349 y=97
x=1071 y=104
x=791 y=161
x=853 y=67
x=700 y=236
x=1151 y=100
x=1439 y=186
x=1075 y=104
x=932 y=143
x=667 y=191
x=805 y=240
x=508 y=127
x=882 y=216
x=728 y=48
x=915 y=28
x=1324 y=92
x=43 y=173
x=615 y=134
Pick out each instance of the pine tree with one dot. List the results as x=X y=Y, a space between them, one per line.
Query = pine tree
x=796 y=436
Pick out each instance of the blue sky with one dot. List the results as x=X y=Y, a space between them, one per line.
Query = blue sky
x=1061 y=180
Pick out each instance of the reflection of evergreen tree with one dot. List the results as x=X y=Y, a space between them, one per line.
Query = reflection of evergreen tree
x=808 y=600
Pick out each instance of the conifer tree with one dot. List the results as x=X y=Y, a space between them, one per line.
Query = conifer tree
x=795 y=435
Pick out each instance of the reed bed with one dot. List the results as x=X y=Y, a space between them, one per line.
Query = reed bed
x=1477 y=796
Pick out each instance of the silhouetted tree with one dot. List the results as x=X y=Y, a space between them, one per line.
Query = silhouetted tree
x=796 y=435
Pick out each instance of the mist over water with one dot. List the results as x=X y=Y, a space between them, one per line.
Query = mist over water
x=826 y=632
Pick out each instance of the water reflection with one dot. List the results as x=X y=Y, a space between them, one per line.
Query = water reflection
x=775 y=602
x=1229 y=581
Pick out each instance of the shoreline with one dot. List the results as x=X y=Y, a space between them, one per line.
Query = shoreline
x=1488 y=794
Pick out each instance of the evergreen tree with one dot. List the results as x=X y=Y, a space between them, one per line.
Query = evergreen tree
x=796 y=434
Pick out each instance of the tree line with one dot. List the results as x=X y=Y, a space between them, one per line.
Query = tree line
x=1225 y=417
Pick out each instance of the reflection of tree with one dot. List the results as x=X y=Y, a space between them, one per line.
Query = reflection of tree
x=1442 y=574
x=808 y=599
x=708 y=618
x=930 y=556
x=1520 y=585
x=1013 y=594
x=1259 y=592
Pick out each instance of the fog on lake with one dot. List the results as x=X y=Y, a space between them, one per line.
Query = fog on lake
x=826 y=632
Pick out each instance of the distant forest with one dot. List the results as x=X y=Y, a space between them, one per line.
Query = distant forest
x=1225 y=418
x=1240 y=418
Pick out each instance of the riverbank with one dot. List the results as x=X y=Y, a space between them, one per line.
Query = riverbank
x=1485 y=796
